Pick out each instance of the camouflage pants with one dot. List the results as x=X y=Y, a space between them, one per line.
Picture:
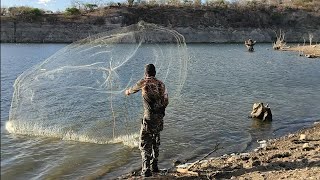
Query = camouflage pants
x=150 y=141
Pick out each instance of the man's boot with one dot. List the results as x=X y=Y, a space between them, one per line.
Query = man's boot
x=155 y=169
x=154 y=166
x=146 y=172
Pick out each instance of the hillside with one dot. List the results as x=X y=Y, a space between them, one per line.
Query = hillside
x=197 y=24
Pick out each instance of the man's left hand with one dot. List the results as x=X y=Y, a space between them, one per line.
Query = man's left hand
x=127 y=92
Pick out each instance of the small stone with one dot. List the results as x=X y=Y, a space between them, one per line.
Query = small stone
x=225 y=156
x=245 y=154
x=261 y=141
x=233 y=158
x=184 y=165
x=255 y=163
x=263 y=145
x=244 y=158
x=242 y=178
x=303 y=137
x=291 y=135
x=307 y=147
x=176 y=162
x=305 y=161
x=204 y=161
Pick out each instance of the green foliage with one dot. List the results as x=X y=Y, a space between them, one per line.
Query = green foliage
x=72 y=11
x=35 y=12
x=25 y=13
x=90 y=7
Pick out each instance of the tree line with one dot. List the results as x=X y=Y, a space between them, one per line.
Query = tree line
x=79 y=7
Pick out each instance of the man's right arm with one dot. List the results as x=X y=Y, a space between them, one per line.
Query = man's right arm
x=137 y=87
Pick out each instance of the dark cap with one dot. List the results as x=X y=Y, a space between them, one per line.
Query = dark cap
x=150 y=70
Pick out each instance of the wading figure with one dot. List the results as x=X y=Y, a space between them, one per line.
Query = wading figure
x=249 y=44
x=261 y=112
x=155 y=100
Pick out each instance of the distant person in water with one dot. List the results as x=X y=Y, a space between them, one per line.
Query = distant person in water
x=249 y=44
x=155 y=100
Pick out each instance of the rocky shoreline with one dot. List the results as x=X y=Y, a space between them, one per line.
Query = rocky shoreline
x=294 y=156
x=310 y=51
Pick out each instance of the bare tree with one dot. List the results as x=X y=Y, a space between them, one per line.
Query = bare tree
x=280 y=43
x=310 y=38
x=76 y=3
x=153 y=2
x=90 y=7
x=197 y=2
x=173 y=2
x=3 y=11
x=130 y=2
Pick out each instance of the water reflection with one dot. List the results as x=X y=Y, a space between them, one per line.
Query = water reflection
x=259 y=130
x=258 y=125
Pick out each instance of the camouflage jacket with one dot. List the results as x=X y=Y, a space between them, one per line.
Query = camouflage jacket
x=154 y=95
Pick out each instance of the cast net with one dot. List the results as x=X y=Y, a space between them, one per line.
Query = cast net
x=78 y=93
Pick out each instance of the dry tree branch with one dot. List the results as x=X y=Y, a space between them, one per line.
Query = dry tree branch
x=280 y=43
x=310 y=38
x=187 y=169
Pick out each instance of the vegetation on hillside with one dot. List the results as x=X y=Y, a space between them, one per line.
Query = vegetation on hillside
x=85 y=8
x=183 y=13
x=23 y=12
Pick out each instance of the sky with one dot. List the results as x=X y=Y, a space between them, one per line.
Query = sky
x=53 y=5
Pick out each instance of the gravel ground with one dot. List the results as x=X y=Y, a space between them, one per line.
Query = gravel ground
x=294 y=156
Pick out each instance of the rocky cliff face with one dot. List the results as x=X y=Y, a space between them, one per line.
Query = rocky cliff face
x=196 y=25
x=231 y=35
x=48 y=32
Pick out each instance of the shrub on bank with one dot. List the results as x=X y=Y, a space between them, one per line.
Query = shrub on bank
x=217 y=13
x=72 y=11
x=26 y=13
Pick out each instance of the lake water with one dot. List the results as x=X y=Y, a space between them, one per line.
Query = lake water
x=223 y=82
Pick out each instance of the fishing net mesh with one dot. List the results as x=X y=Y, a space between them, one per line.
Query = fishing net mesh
x=78 y=93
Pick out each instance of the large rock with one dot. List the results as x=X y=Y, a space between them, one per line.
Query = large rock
x=261 y=112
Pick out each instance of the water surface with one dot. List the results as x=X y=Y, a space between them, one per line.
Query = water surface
x=223 y=82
